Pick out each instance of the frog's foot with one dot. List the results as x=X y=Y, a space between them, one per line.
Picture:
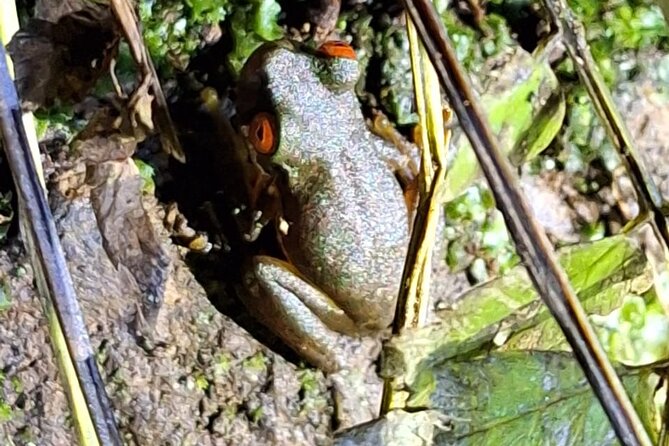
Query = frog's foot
x=303 y=316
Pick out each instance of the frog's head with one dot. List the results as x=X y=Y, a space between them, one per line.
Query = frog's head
x=297 y=102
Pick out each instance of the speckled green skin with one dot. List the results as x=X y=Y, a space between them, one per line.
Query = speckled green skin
x=349 y=223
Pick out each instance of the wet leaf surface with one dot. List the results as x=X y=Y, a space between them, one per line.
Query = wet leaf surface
x=509 y=306
x=532 y=397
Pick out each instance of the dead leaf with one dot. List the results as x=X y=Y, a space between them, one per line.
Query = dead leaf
x=128 y=236
x=53 y=10
x=116 y=197
x=63 y=60
x=118 y=118
x=141 y=113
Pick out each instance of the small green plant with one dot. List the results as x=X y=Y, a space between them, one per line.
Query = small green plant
x=256 y=414
x=477 y=235
x=255 y=363
x=146 y=172
x=222 y=364
x=201 y=381
x=615 y=27
x=6 y=413
x=17 y=385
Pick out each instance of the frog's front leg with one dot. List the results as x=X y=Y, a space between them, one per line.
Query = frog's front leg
x=302 y=315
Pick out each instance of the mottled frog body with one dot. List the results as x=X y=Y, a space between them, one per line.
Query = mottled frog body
x=348 y=222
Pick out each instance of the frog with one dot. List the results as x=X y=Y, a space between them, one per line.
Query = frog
x=343 y=219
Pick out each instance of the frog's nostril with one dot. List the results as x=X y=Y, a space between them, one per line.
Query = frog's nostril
x=262 y=133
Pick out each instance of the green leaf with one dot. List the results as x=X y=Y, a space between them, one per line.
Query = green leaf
x=146 y=173
x=601 y=273
x=534 y=398
x=525 y=89
x=253 y=23
x=546 y=124
x=636 y=333
x=265 y=20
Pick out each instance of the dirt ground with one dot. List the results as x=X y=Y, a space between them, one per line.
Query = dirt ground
x=199 y=379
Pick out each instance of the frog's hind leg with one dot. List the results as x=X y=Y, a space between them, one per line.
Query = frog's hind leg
x=303 y=316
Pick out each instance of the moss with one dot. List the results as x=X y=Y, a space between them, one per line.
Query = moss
x=201 y=381
x=256 y=363
x=6 y=413
x=57 y=122
x=617 y=29
x=16 y=383
x=256 y=414
x=312 y=395
x=230 y=411
x=476 y=231
x=308 y=379
x=5 y=297
x=223 y=362
x=173 y=29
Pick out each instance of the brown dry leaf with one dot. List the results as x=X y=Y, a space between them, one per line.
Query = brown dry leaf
x=131 y=120
x=64 y=59
x=141 y=114
x=53 y=10
x=116 y=197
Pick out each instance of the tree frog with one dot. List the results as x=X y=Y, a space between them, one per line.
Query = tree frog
x=344 y=228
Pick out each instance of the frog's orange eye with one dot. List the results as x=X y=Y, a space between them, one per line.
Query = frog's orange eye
x=336 y=48
x=262 y=133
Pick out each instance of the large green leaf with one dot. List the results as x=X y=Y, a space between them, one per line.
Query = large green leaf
x=602 y=274
x=525 y=398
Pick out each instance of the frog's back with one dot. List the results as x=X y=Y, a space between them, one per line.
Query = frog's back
x=353 y=235
x=349 y=232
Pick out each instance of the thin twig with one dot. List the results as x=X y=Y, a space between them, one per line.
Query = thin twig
x=413 y=300
x=162 y=119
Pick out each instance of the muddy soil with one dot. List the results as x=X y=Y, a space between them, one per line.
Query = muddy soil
x=197 y=379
